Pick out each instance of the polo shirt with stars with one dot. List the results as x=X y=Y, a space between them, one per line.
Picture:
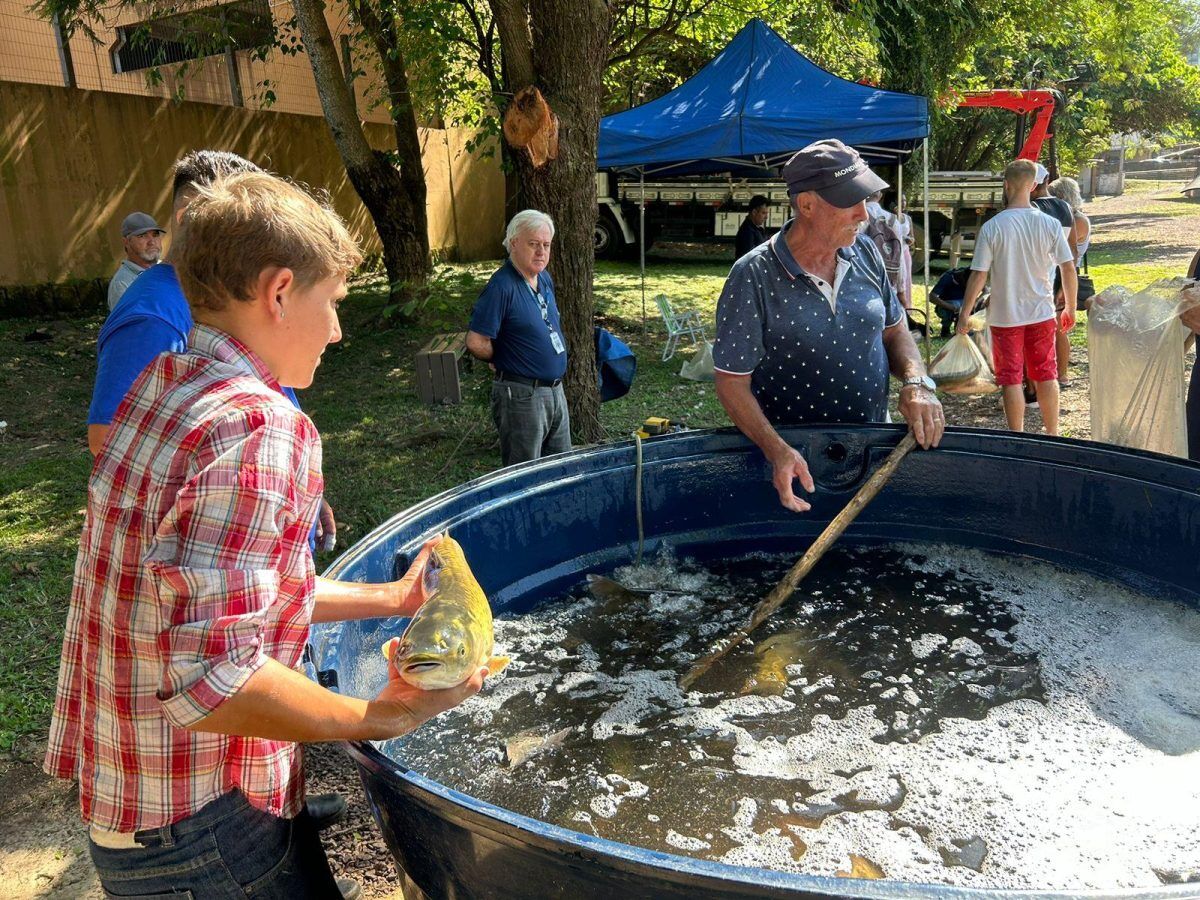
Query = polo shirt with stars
x=815 y=351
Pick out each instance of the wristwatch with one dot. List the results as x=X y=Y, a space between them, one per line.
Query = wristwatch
x=920 y=381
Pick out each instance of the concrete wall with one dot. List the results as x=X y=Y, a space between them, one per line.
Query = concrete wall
x=74 y=163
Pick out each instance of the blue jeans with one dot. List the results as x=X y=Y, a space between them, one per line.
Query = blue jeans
x=228 y=849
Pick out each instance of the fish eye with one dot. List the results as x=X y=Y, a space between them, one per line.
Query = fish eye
x=462 y=650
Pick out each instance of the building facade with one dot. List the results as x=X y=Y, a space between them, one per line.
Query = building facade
x=91 y=123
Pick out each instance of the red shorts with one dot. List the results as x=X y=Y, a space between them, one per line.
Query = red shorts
x=1025 y=347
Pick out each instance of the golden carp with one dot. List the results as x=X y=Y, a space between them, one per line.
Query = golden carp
x=450 y=636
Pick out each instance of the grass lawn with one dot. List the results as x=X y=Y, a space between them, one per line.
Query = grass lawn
x=383 y=450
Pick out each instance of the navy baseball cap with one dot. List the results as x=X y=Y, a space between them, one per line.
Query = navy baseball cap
x=836 y=172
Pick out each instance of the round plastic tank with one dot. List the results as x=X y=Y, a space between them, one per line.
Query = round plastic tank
x=531 y=532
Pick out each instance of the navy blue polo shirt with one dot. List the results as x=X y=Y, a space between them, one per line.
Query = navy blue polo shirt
x=509 y=312
x=809 y=363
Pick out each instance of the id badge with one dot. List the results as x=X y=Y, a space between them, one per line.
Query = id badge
x=556 y=342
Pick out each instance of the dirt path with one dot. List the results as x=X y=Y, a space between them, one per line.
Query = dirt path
x=42 y=847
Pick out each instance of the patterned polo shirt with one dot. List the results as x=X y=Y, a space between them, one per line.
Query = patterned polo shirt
x=811 y=360
x=193 y=569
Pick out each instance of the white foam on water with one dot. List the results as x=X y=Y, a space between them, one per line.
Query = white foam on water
x=642 y=693
x=682 y=842
x=1098 y=787
x=923 y=646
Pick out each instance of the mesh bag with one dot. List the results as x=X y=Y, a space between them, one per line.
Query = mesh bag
x=1135 y=361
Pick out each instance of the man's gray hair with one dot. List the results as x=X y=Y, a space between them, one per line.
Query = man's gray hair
x=1067 y=189
x=526 y=220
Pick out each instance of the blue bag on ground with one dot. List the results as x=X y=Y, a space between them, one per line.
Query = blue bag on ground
x=617 y=365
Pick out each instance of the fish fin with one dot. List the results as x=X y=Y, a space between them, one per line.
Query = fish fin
x=389 y=648
x=497 y=664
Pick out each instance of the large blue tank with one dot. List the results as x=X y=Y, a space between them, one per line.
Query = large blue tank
x=532 y=531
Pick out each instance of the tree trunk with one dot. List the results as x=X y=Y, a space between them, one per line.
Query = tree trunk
x=381 y=25
x=387 y=194
x=567 y=58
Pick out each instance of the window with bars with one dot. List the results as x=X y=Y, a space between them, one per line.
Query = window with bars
x=210 y=31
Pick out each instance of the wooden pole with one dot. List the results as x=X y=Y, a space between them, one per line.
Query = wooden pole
x=824 y=541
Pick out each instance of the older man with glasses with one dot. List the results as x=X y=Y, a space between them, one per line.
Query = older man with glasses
x=515 y=327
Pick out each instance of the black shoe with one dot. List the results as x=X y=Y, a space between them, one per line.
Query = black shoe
x=325 y=810
x=351 y=890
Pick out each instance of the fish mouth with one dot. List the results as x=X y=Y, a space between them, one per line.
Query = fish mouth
x=424 y=665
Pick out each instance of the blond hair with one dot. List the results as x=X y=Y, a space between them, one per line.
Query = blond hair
x=1020 y=170
x=1068 y=189
x=245 y=223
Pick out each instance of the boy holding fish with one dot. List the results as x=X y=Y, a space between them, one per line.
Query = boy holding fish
x=181 y=699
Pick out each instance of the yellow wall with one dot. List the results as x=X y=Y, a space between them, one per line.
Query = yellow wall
x=29 y=54
x=74 y=163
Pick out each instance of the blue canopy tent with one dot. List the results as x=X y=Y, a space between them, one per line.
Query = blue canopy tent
x=754 y=105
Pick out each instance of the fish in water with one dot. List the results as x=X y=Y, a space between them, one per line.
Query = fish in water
x=450 y=636
x=606 y=589
x=527 y=744
x=771 y=659
x=861 y=867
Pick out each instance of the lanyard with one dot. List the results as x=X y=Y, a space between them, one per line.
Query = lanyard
x=537 y=295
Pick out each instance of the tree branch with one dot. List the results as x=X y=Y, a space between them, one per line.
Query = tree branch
x=341 y=111
x=516 y=41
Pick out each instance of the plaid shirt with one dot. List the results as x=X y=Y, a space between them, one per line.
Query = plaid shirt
x=193 y=569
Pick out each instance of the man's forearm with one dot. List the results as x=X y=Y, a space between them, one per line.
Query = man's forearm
x=340 y=601
x=1070 y=285
x=280 y=704
x=479 y=346
x=904 y=359
x=975 y=283
x=743 y=410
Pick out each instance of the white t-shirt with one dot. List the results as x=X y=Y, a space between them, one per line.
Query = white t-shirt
x=1021 y=248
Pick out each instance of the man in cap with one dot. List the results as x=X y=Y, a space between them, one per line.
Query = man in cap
x=143 y=248
x=808 y=326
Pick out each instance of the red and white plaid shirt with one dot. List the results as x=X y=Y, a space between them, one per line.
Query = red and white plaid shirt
x=193 y=569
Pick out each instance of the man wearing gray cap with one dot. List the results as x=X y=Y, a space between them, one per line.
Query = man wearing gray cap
x=809 y=327
x=143 y=248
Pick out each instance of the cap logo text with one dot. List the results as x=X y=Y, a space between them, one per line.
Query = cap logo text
x=840 y=172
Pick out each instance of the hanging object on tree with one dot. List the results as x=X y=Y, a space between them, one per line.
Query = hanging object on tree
x=530 y=124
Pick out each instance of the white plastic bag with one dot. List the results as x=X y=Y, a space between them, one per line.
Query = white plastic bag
x=1135 y=358
x=700 y=366
x=959 y=368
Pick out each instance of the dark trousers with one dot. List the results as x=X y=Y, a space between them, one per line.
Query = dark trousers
x=228 y=849
x=532 y=421
x=1193 y=414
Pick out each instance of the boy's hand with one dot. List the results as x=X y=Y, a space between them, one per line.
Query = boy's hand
x=409 y=591
x=406 y=707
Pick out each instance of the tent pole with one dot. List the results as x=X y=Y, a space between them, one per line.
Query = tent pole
x=642 y=246
x=925 y=270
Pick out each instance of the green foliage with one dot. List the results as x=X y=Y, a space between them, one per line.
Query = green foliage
x=443 y=302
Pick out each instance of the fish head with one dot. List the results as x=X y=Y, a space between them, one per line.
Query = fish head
x=438 y=651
